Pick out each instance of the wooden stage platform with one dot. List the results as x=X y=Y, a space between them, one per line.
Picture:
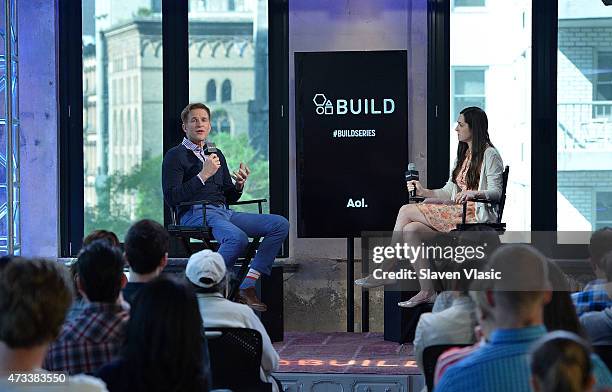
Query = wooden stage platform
x=341 y=361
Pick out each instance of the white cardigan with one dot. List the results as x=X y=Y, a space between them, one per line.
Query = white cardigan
x=490 y=185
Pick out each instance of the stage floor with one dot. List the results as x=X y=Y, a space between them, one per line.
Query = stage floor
x=346 y=353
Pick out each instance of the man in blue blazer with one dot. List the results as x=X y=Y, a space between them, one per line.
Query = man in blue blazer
x=189 y=175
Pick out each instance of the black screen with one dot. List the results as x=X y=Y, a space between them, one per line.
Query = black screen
x=352 y=141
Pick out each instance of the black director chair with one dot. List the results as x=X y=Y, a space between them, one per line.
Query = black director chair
x=498 y=225
x=204 y=233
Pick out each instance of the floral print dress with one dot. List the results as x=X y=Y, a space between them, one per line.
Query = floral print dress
x=445 y=217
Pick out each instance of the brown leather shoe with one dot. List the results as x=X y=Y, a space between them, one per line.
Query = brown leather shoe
x=249 y=297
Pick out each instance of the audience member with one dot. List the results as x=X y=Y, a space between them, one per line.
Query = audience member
x=146 y=252
x=560 y=313
x=79 y=303
x=560 y=361
x=594 y=296
x=164 y=349
x=106 y=235
x=598 y=325
x=516 y=302
x=94 y=337
x=455 y=324
x=5 y=260
x=34 y=298
x=207 y=272
x=482 y=332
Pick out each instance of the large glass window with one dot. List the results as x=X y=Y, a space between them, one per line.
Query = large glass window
x=122 y=113
x=603 y=88
x=469 y=3
x=468 y=88
x=584 y=116
x=603 y=209
x=490 y=57
x=228 y=70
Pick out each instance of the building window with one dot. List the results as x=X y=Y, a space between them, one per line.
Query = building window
x=156 y=6
x=603 y=210
x=211 y=91
x=603 y=87
x=226 y=91
x=468 y=89
x=469 y=3
x=226 y=126
x=584 y=116
x=231 y=5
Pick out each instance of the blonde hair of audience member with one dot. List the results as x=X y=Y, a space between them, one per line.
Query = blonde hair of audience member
x=517 y=300
x=34 y=298
x=561 y=362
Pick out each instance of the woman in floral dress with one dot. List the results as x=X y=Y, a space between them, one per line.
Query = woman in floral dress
x=477 y=174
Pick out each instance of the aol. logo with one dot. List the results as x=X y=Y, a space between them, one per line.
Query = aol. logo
x=356 y=203
x=324 y=105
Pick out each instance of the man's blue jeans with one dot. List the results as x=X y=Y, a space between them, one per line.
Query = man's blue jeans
x=233 y=229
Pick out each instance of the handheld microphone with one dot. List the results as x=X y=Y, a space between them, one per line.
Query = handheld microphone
x=211 y=148
x=412 y=174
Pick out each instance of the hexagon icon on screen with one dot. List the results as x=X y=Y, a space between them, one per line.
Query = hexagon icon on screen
x=324 y=105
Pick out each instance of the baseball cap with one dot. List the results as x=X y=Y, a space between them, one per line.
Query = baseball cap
x=205 y=268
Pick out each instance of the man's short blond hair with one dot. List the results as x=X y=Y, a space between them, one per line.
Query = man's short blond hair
x=34 y=298
x=524 y=271
x=192 y=106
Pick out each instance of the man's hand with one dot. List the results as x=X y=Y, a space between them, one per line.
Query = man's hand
x=210 y=167
x=241 y=175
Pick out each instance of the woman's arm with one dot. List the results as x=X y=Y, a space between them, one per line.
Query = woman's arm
x=420 y=189
x=445 y=192
x=494 y=170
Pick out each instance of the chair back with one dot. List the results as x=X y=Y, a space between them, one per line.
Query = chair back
x=502 y=200
x=605 y=353
x=235 y=359
x=430 y=358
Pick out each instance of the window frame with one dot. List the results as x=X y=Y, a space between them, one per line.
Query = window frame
x=211 y=90
x=607 y=51
x=226 y=82
x=544 y=38
x=594 y=221
x=453 y=95
x=468 y=8
x=175 y=83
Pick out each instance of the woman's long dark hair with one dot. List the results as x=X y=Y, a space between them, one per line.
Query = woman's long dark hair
x=164 y=348
x=476 y=118
x=560 y=312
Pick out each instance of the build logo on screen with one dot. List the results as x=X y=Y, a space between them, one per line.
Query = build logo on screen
x=353 y=106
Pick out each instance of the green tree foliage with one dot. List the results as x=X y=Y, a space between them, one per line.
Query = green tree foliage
x=142 y=188
x=238 y=149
